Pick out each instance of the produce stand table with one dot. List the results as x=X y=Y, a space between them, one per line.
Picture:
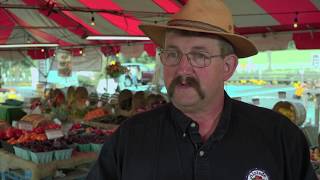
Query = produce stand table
x=39 y=171
x=9 y=113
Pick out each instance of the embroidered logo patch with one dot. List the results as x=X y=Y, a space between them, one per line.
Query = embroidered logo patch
x=257 y=174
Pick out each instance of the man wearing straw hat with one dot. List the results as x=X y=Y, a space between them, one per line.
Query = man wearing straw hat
x=203 y=134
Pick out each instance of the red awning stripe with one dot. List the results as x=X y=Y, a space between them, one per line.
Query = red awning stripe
x=38 y=33
x=279 y=10
x=39 y=54
x=167 y=5
x=6 y=28
x=151 y=49
x=307 y=40
x=126 y=22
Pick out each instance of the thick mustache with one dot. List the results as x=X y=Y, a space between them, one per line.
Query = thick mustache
x=190 y=81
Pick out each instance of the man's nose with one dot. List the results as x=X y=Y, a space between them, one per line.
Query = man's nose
x=184 y=65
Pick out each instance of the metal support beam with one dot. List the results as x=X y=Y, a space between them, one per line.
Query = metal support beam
x=317 y=111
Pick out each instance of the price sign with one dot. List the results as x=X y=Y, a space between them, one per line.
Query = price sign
x=54 y=133
x=25 y=125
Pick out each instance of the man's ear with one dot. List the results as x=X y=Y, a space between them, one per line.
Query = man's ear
x=230 y=65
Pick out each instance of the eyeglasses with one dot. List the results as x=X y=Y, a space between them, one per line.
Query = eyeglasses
x=197 y=59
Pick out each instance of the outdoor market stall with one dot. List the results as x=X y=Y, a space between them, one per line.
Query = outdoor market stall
x=77 y=36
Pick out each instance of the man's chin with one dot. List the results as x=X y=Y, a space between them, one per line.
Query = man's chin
x=185 y=101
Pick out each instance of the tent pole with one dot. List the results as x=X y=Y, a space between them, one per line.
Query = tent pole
x=317 y=111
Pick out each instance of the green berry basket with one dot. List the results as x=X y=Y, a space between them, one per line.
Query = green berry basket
x=84 y=147
x=6 y=146
x=96 y=147
x=41 y=157
x=22 y=153
x=62 y=154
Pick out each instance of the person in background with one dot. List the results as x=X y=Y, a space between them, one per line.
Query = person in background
x=203 y=134
x=138 y=103
x=139 y=75
x=58 y=98
x=124 y=107
x=71 y=97
x=82 y=96
x=59 y=107
x=150 y=100
x=154 y=101
x=133 y=76
x=160 y=100
x=45 y=102
x=79 y=107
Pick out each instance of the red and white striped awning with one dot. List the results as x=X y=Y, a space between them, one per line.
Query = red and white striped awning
x=269 y=23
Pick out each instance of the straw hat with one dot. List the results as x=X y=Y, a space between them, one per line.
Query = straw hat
x=207 y=16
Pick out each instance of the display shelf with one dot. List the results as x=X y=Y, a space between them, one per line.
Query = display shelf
x=76 y=174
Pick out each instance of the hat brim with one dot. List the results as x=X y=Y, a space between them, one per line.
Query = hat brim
x=243 y=47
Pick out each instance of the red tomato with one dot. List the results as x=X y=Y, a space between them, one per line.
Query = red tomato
x=2 y=135
x=53 y=126
x=10 y=133
x=76 y=126
x=38 y=130
x=18 y=133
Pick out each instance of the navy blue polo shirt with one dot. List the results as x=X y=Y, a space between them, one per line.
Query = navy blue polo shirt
x=249 y=143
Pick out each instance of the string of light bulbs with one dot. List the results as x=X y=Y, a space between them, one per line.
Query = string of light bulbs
x=93 y=23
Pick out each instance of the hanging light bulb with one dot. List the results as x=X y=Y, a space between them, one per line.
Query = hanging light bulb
x=295 y=21
x=80 y=52
x=42 y=50
x=93 y=23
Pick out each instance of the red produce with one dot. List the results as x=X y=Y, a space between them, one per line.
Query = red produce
x=98 y=131
x=2 y=135
x=53 y=126
x=10 y=133
x=39 y=130
x=17 y=133
x=76 y=126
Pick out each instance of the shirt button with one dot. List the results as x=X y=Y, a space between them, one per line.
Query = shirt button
x=201 y=153
x=193 y=125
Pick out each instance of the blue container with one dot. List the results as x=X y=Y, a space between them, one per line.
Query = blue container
x=16 y=175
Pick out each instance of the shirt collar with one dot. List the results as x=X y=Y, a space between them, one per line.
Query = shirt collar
x=182 y=122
